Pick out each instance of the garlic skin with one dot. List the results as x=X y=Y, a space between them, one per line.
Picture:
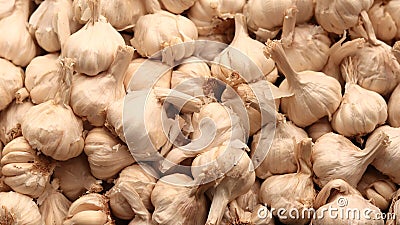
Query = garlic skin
x=337 y=194
x=93 y=46
x=336 y=157
x=18 y=209
x=280 y=158
x=114 y=119
x=89 y=209
x=361 y=110
x=212 y=16
x=25 y=171
x=230 y=67
x=75 y=178
x=51 y=24
x=386 y=160
x=385 y=19
x=42 y=78
x=86 y=91
x=295 y=190
x=394 y=209
x=319 y=128
x=177 y=204
x=140 y=181
x=316 y=95
x=177 y=7
x=393 y=109
x=11 y=80
x=7 y=8
x=190 y=70
x=17 y=46
x=106 y=155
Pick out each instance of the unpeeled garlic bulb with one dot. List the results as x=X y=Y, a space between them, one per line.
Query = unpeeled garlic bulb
x=93 y=46
x=24 y=169
x=393 y=109
x=52 y=127
x=51 y=24
x=175 y=203
x=319 y=128
x=212 y=16
x=106 y=155
x=42 y=77
x=361 y=110
x=114 y=121
x=394 y=209
x=11 y=80
x=189 y=72
x=292 y=191
x=89 y=209
x=75 y=178
x=131 y=194
x=230 y=65
x=18 y=209
x=90 y=96
x=385 y=19
x=316 y=95
x=337 y=194
x=280 y=158
x=17 y=46
x=336 y=157
x=177 y=7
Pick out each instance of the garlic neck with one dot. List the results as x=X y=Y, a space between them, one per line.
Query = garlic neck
x=120 y=64
x=63 y=95
x=303 y=156
x=380 y=145
x=337 y=186
x=94 y=6
x=218 y=205
x=339 y=52
x=240 y=26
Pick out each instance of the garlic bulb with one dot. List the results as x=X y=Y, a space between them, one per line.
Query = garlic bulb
x=3 y=186
x=90 y=96
x=319 y=128
x=230 y=66
x=42 y=77
x=393 y=109
x=211 y=16
x=51 y=24
x=162 y=29
x=394 y=209
x=114 y=119
x=75 y=178
x=315 y=94
x=265 y=18
x=177 y=204
x=25 y=171
x=361 y=110
x=140 y=181
x=18 y=209
x=339 y=195
x=52 y=127
x=385 y=19
x=336 y=157
x=93 y=46
x=377 y=188
x=106 y=155
x=89 y=209
x=280 y=158
x=386 y=160
x=18 y=45
x=292 y=191
x=189 y=72
x=7 y=7
x=11 y=80
x=177 y=7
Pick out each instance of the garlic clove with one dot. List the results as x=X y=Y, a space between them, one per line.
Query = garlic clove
x=319 y=128
x=393 y=110
x=17 y=208
x=11 y=80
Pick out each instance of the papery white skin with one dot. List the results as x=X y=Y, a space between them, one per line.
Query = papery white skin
x=191 y=70
x=394 y=209
x=6 y=7
x=17 y=208
x=11 y=80
x=385 y=19
x=319 y=128
x=393 y=109
x=179 y=6
x=114 y=119
x=11 y=119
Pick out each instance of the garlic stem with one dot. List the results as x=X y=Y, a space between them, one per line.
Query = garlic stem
x=219 y=203
x=369 y=28
x=339 y=52
x=303 y=156
x=380 y=145
x=94 y=6
x=120 y=64
x=21 y=95
x=134 y=200
x=289 y=23
x=63 y=95
x=240 y=26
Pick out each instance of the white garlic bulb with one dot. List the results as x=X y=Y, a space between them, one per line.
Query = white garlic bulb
x=106 y=155
x=93 y=46
x=177 y=7
x=42 y=77
x=230 y=67
x=90 y=96
x=17 y=46
x=18 y=209
x=52 y=127
x=319 y=128
x=114 y=121
x=212 y=16
x=25 y=171
x=393 y=109
x=292 y=191
x=280 y=158
x=51 y=24
x=361 y=110
x=385 y=19
x=316 y=95
x=11 y=80
x=189 y=72
x=336 y=157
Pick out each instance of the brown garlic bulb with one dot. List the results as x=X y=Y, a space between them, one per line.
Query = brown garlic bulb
x=114 y=121
x=75 y=178
x=385 y=19
x=11 y=80
x=178 y=204
x=140 y=181
x=393 y=109
x=18 y=209
x=280 y=158
x=394 y=210
x=106 y=155
x=90 y=96
x=336 y=157
x=52 y=127
x=24 y=169
x=292 y=191
x=179 y=6
x=319 y=128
